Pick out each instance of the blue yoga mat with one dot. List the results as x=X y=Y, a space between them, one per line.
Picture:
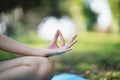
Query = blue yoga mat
x=66 y=76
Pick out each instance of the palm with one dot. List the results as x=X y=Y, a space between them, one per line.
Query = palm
x=52 y=46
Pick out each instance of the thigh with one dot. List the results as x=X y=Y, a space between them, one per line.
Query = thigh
x=23 y=61
x=4 y=65
x=25 y=67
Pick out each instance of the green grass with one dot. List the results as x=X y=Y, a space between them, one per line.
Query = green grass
x=95 y=55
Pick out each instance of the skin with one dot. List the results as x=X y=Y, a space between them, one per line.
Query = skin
x=35 y=64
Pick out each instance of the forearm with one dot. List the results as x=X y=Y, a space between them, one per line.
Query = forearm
x=13 y=46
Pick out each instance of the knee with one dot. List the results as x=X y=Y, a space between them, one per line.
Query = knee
x=46 y=69
x=42 y=67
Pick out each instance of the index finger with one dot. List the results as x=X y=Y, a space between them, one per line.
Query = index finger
x=71 y=42
x=73 y=38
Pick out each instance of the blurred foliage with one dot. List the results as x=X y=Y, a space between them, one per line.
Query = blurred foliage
x=115 y=6
x=90 y=16
x=57 y=6
x=10 y=9
x=78 y=10
x=8 y=5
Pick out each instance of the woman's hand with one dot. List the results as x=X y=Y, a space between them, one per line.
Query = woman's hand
x=10 y=45
x=54 y=49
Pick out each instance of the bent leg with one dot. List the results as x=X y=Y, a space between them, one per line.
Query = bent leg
x=35 y=68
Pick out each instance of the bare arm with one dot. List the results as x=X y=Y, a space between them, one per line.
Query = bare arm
x=10 y=45
x=13 y=46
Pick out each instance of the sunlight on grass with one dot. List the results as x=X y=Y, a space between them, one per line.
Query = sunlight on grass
x=87 y=42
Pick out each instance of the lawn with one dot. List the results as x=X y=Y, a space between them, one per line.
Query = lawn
x=95 y=56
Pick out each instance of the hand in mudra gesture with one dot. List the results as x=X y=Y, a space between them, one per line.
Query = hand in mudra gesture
x=35 y=62
x=54 y=49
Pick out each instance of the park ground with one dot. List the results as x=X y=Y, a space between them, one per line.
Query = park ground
x=95 y=56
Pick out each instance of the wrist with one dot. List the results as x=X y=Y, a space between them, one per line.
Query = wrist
x=39 y=52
